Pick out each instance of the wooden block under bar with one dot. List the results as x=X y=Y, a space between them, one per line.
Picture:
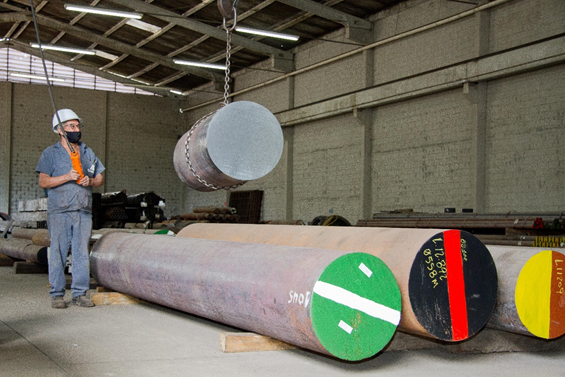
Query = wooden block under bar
x=6 y=260
x=29 y=268
x=113 y=298
x=101 y=289
x=92 y=284
x=250 y=342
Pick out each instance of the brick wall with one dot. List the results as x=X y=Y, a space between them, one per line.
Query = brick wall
x=424 y=51
x=426 y=150
x=133 y=135
x=5 y=143
x=524 y=21
x=327 y=175
x=422 y=154
x=525 y=139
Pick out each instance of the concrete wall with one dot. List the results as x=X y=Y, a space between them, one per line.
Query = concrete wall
x=5 y=145
x=422 y=154
x=133 y=135
x=525 y=141
x=468 y=114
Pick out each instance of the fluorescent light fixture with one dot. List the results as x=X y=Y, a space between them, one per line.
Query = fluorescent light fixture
x=266 y=33
x=4 y=39
x=144 y=26
x=139 y=81
x=64 y=49
x=102 y=11
x=176 y=92
x=37 y=77
x=116 y=74
x=105 y=55
x=199 y=64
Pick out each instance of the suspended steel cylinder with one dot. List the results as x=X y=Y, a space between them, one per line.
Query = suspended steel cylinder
x=339 y=303
x=531 y=291
x=240 y=142
x=447 y=278
x=23 y=249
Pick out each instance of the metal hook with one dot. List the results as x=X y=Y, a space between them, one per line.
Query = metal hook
x=234 y=22
x=227 y=8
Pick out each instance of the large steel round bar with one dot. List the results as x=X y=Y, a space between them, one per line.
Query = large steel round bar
x=23 y=249
x=447 y=278
x=42 y=238
x=240 y=142
x=338 y=303
x=531 y=291
x=26 y=233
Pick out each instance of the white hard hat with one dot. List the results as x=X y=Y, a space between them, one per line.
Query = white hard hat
x=65 y=115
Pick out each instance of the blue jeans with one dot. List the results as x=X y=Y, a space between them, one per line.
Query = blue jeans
x=69 y=230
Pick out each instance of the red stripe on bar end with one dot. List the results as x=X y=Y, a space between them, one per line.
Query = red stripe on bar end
x=456 y=285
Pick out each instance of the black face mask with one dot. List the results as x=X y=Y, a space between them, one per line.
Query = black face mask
x=73 y=137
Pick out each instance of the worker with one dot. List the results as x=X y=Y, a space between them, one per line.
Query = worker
x=69 y=207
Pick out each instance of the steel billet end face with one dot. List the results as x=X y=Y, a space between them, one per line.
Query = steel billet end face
x=453 y=285
x=540 y=294
x=244 y=140
x=355 y=306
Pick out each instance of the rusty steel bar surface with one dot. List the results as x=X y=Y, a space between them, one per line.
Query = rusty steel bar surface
x=531 y=291
x=447 y=278
x=23 y=249
x=338 y=303
x=26 y=233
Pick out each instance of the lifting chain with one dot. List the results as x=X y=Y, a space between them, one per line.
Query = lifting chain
x=227 y=9
x=228 y=55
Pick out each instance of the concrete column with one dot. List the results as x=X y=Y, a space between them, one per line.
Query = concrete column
x=289 y=141
x=106 y=149
x=6 y=93
x=369 y=57
x=365 y=119
x=291 y=92
x=477 y=94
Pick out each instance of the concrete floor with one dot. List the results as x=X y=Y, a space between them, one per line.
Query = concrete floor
x=150 y=340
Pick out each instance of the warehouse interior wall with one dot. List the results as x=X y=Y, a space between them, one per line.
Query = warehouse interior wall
x=468 y=113
x=443 y=109
x=133 y=135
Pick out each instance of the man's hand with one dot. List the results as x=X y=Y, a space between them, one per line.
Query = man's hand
x=73 y=175
x=85 y=181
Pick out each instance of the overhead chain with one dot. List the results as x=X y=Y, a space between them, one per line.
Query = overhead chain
x=226 y=102
x=228 y=55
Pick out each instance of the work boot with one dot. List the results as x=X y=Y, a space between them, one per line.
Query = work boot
x=58 y=302
x=83 y=301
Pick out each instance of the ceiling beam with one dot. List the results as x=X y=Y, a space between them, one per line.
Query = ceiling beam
x=87 y=68
x=10 y=7
x=113 y=44
x=356 y=29
x=329 y=13
x=200 y=27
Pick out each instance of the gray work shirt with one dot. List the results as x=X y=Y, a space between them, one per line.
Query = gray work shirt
x=70 y=196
